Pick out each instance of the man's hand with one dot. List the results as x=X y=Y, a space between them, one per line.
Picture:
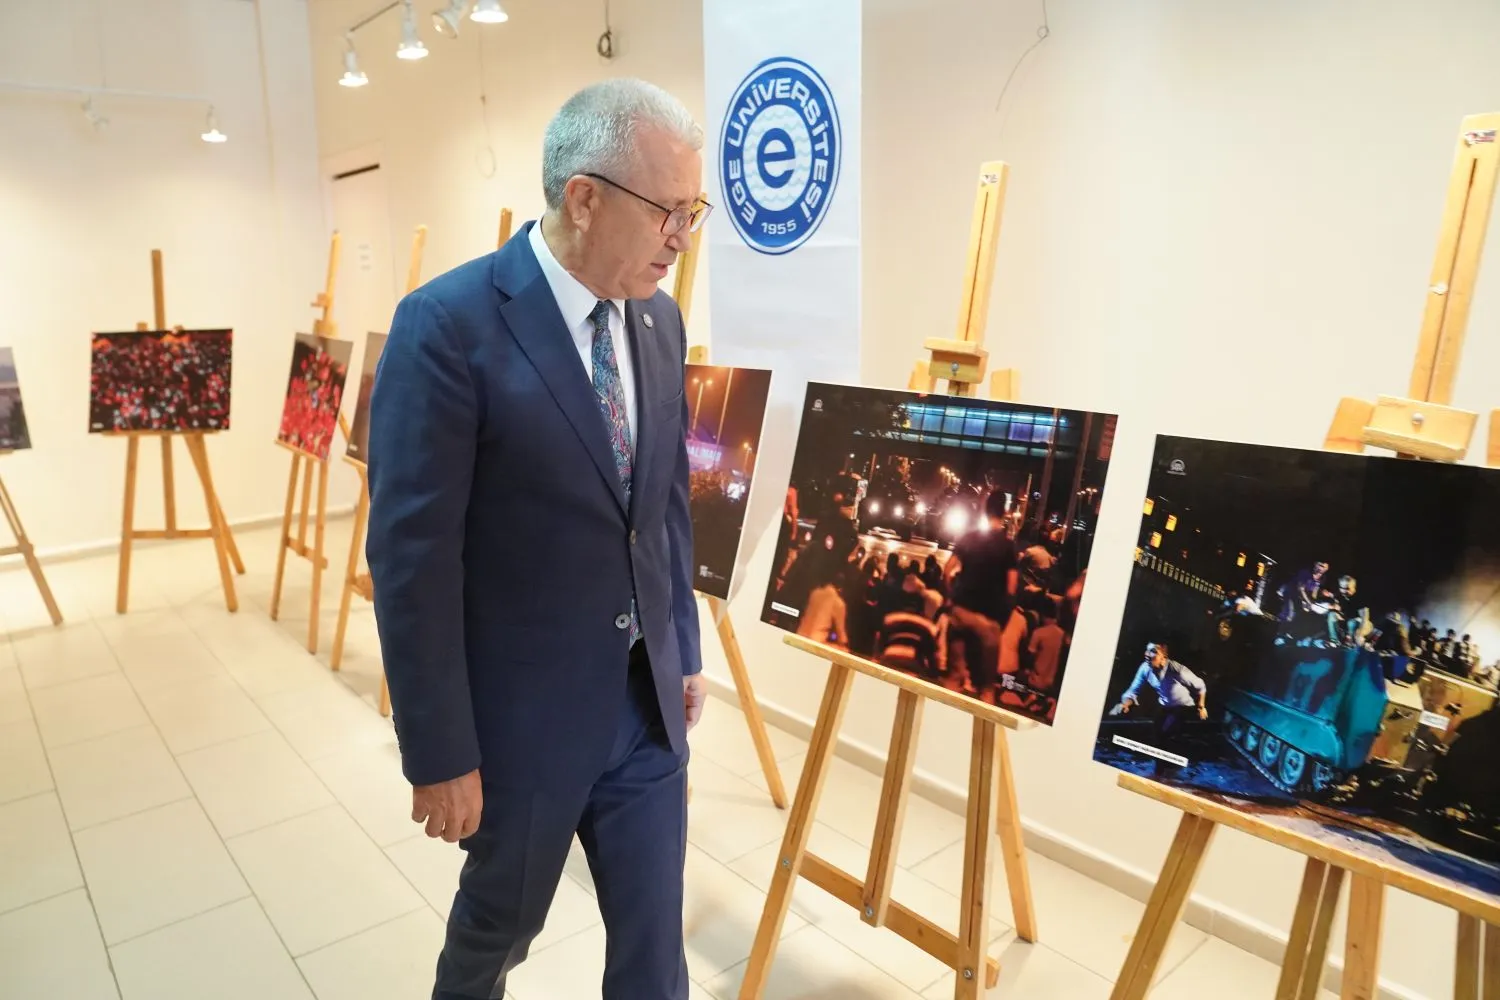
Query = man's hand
x=694 y=694
x=1203 y=712
x=451 y=809
x=1123 y=708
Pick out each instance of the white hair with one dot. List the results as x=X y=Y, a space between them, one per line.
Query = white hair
x=595 y=131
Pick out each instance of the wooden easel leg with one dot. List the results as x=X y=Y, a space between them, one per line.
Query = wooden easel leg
x=1491 y=961
x=1362 y=943
x=1013 y=846
x=286 y=537
x=314 y=610
x=1466 y=966
x=127 y=528
x=893 y=795
x=234 y=550
x=1168 y=900
x=979 y=856
x=199 y=453
x=798 y=830
x=168 y=484
x=28 y=553
x=307 y=484
x=385 y=696
x=748 y=704
x=351 y=573
x=1312 y=922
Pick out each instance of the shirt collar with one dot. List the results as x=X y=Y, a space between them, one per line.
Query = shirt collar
x=574 y=301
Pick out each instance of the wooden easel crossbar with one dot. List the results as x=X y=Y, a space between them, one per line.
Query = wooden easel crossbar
x=218 y=530
x=22 y=547
x=992 y=810
x=1422 y=426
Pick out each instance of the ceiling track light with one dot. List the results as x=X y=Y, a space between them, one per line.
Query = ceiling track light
x=489 y=12
x=213 y=134
x=98 y=121
x=353 y=75
x=411 y=46
x=445 y=20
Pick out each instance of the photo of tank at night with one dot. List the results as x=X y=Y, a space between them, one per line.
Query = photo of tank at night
x=943 y=537
x=1315 y=636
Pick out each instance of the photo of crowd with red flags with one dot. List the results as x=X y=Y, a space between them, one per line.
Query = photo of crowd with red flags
x=160 y=380
x=314 y=393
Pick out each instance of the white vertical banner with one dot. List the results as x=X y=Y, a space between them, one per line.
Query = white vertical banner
x=781 y=163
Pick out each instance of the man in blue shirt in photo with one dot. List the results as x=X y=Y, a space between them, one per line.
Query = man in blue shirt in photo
x=1180 y=693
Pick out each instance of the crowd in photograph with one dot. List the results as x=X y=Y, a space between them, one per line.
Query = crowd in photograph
x=992 y=619
x=160 y=382
x=314 y=394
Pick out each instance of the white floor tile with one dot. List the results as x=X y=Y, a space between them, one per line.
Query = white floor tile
x=156 y=868
x=204 y=712
x=74 y=652
x=395 y=961
x=325 y=719
x=1036 y=972
x=723 y=736
x=166 y=660
x=432 y=865
x=1077 y=917
x=721 y=911
x=115 y=776
x=574 y=909
x=369 y=782
x=810 y=965
x=252 y=782
x=36 y=853
x=572 y=968
x=14 y=704
x=86 y=709
x=231 y=953
x=52 y=949
x=321 y=879
x=1215 y=964
x=24 y=771
x=729 y=816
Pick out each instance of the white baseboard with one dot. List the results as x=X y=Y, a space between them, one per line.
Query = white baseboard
x=84 y=550
x=1245 y=933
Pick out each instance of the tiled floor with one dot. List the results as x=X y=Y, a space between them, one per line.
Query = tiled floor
x=193 y=806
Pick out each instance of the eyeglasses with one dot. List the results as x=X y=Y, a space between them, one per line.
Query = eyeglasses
x=675 y=219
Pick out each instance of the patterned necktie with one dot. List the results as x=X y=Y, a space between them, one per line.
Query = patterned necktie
x=611 y=393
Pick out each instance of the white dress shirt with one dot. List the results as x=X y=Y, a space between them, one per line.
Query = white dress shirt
x=575 y=302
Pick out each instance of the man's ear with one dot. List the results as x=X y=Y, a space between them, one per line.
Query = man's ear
x=581 y=201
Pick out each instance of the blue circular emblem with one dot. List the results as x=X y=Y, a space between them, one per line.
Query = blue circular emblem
x=779 y=155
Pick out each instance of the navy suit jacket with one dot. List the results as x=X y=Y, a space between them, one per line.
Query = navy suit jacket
x=501 y=547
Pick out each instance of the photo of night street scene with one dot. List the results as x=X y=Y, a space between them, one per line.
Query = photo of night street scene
x=1316 y=636
x=726 y=411
x=944 y=537
x=13 y=433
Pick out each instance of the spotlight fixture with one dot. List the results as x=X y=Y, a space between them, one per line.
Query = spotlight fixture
x=98 y=121
x=353 y=75
x=411 y=46
x=445 y=21
x=213 y=134
x=489 y=12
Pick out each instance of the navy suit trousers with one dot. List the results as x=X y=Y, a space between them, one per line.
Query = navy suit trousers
x=632 y=823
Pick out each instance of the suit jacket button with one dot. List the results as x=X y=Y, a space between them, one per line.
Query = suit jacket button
x=622 y=622
x=632 y=536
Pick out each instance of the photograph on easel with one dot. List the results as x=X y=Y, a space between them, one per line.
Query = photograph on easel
x=13 y=433
x=359 y=433
x=161 y=380
x=314 y=394
x=1315 y=635
x=726 y=413
x=941 y=536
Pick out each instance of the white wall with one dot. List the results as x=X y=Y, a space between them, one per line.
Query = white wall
x=1221 y=218
x=240 y=226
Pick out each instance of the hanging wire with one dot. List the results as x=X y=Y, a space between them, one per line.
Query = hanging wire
x=1042 y=33
x=606 y=46
x=486 y=153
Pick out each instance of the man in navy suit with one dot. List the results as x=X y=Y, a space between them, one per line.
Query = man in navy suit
x=531 y=550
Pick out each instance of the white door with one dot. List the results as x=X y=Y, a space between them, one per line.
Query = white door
x=367 y=282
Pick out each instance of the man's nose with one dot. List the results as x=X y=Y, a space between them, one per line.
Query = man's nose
x=681 y=240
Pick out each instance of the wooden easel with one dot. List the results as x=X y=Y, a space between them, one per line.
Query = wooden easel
x=218 y=530
x=1424 y=427
x=303 y=466
x=682 y=292
x=24 y=549
x=992 y=805
x=356 y=582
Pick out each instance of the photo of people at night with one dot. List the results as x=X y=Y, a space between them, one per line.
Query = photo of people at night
x=359 y=431
x=1317 y=636
x=161 y=380
x=13 y=433
x=726 y=411
x=944 y=537
x=314 y=393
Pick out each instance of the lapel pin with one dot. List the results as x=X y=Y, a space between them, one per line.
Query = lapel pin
x=646 y=318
